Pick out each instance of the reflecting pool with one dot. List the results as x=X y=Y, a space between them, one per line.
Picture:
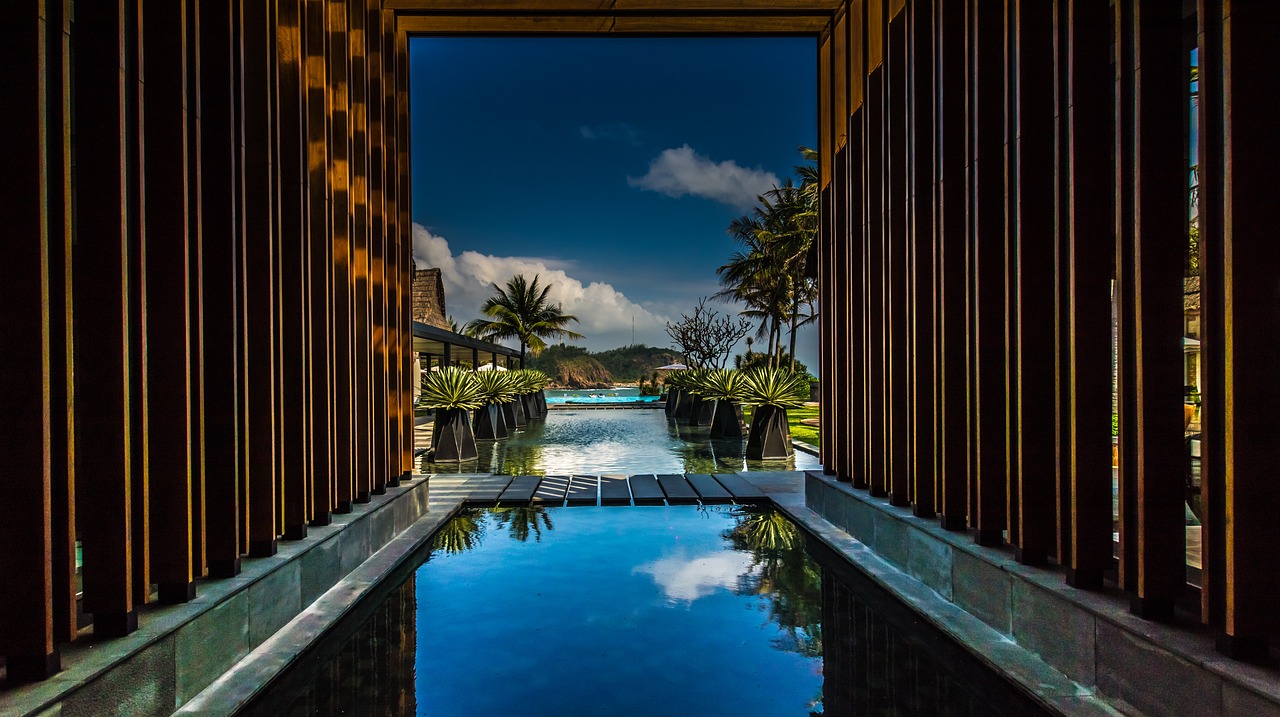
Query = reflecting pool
x=624 y=394
x=630 y=441
x=675 y=610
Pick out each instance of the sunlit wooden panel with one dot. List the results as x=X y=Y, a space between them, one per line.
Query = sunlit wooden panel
x=874 y=34
x=857 y=74
x=824 y=112
x=840 y=85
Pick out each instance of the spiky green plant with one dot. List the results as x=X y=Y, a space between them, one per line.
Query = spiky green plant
x=722 y=384
x=451 y=387
x=775 y=387
x=696 y=378
x=681 y=378
x=495 y=386
x=524 y=380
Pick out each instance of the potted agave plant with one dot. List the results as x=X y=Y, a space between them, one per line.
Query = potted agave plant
x=519 y=415
x=772 y=391
x=453 y=392
x=534 y=381
x=681 y=382
x=723 y=389
x=496 y=388
x=701 y=408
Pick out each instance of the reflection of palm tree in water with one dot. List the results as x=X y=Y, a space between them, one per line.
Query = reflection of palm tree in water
x=461 y=533
x=523 y=521
x=784 y=574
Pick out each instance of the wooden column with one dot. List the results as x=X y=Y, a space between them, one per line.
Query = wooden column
x=850 y=270
x=293 y=242
x=195 y=300
x=986 y=239
x=391 y=191
x=343 y=291
x=220 y=231
x=167 y=295
x=897 y=262
x=62 y=442
x=874 y=147
x=1154 y=571
x=1034 y=279
x=1249 y=254
x=831 y=226
x=320 y=263
x=26 y=633
x=923 y=260
x=257 y=266
x=951 y=197
x=377 y=248
x=363 y=305
x=104 y=505
x=403 y=205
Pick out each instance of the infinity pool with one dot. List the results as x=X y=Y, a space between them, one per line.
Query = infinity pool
x=597 y=396
x=630 y=441
x=681 y=610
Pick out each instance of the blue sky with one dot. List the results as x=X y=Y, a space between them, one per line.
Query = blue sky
x=610 y=166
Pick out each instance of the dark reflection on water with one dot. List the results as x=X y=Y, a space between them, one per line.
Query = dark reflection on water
x=640 y=611
x=628 y=441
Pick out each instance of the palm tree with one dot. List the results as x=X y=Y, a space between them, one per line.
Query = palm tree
x=521 y=311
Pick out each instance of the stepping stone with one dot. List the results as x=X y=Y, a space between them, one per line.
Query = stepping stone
x=646 y=490
x=742 y=490
x=677 y=489
x=582 y=490
x=486 y=490
x=552 y=490
x=614 y=490
x=521 y=490
x=708 y=489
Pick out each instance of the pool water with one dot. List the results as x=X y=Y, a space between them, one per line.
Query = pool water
x=629 y=441
x=624 y=394
x=679 y=610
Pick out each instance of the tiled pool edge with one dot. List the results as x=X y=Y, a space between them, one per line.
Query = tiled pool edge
x=1089 y=638
x=180 y=649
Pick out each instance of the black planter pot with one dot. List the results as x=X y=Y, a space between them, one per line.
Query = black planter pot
x=683 y=406
x=727 y=422
x=452 y=436
x=522 y=418
x=769 y=436
x=702 y=413
x=542 y=403
x=673 y=397
x=508 y=411
x=530 y=404
x=487 y=422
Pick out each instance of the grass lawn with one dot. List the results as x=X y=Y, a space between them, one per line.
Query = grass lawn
x=799 y=431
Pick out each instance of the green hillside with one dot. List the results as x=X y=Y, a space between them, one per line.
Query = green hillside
x=574 y=366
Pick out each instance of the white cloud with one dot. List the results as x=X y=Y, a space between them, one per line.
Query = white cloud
x=679 y=171
x=687 y=579
x=604 y=313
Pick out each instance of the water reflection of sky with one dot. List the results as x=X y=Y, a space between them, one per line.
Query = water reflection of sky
x=633 y=441
x=684 y=579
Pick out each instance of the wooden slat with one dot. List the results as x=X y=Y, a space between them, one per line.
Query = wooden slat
x=521 y=490
x=677 y=489
x=876 y=417
x=391 y=191
x=583 y=490
x=741 y=490
x=709 y=490
x=898 y=302
x=362 y=302
x=379 y=374
x=614 y=490
x=320 y=265
x=553 y=490
x=646 y=491
x=923 y=262
x=343 y=289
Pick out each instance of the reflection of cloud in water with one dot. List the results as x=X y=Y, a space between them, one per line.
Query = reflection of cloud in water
x=687 y=579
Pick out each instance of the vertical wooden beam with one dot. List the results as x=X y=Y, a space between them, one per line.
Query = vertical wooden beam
x=1034 y=91
x=851 y=269
x=875 y=149
x=257 y=266
x=923 y=260
x=830 y=227
x=26 y=633
x=391 y=191
x=403 y=205
x=220 y=231
x=1061 y=282
x=951 y=198
x=1012 y=497
x=101 y=317
x=362 y=307
x=165 y=114
x=897 y=262
x=320 y=262
x=62 y=444
x=987 y=225
x=377 y=246
x=1159 y=246
x=343 y=291
x=293 y=240
x=195 y=301
x=1251 y=317
x=1214 y=583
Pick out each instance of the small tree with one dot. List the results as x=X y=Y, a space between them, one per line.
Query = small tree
x=706 y=338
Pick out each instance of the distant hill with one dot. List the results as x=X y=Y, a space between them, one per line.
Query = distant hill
x=575 y=367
